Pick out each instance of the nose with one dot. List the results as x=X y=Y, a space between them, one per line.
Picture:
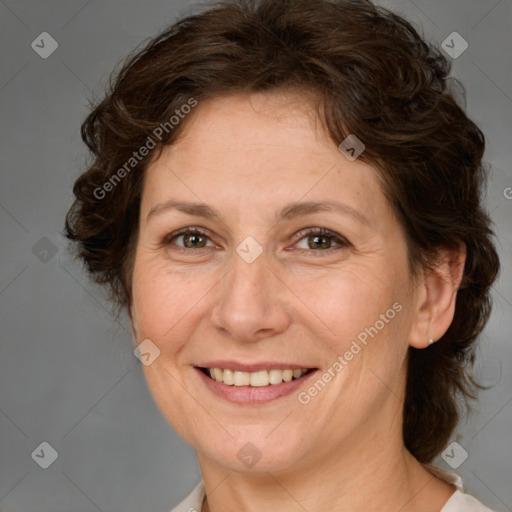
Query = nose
x=251 y=304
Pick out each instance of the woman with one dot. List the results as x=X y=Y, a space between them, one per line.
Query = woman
x=286 y=198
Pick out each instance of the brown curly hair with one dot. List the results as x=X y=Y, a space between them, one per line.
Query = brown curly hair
x=371 y=74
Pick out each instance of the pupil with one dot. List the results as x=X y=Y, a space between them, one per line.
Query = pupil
x=319 y=242
x=193 y=240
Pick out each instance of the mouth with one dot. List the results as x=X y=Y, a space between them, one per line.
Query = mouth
x=258 y=379
x=234 y=383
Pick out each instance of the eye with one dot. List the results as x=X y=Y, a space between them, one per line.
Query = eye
x=320 y=239
x=189 y=238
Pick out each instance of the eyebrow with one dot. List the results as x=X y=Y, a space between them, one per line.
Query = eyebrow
x=198 y=209
x=290 y=211
x=309 y=207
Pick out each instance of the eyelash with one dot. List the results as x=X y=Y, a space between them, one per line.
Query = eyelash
x=340 y=241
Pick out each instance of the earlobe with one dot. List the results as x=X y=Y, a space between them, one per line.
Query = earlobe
x=437 y=300
x=431 y=340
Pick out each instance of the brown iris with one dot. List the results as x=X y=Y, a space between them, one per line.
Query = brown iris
x=191 y=240
x=319 y=242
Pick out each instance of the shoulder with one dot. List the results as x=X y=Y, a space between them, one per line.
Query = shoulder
x=193 y=502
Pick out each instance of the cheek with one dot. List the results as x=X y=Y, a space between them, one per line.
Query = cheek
x=164 y=302
x=348 y=301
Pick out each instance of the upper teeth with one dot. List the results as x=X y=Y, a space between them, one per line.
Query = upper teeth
x=257 y=379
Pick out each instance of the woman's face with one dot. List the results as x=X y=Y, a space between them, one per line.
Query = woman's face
x=262 y=247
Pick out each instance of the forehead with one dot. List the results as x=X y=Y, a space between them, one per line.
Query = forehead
x=258 y=150
x=235 y=126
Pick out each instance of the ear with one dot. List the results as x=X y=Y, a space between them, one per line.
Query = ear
x=436 y=296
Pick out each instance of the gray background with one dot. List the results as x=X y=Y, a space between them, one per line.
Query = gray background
x=68 y=375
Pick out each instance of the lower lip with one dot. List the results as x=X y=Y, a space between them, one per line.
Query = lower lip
x=253 y=395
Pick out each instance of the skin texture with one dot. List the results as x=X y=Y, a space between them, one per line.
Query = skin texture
x=248 y=157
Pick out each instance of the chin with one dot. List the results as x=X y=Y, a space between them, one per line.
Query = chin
x=249 y=452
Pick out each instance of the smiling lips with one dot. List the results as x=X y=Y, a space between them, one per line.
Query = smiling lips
x=253 y=384
x=259 y=378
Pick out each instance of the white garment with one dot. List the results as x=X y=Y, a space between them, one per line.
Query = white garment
x=459 y=501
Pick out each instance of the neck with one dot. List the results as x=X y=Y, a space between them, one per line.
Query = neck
x=373 y=471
